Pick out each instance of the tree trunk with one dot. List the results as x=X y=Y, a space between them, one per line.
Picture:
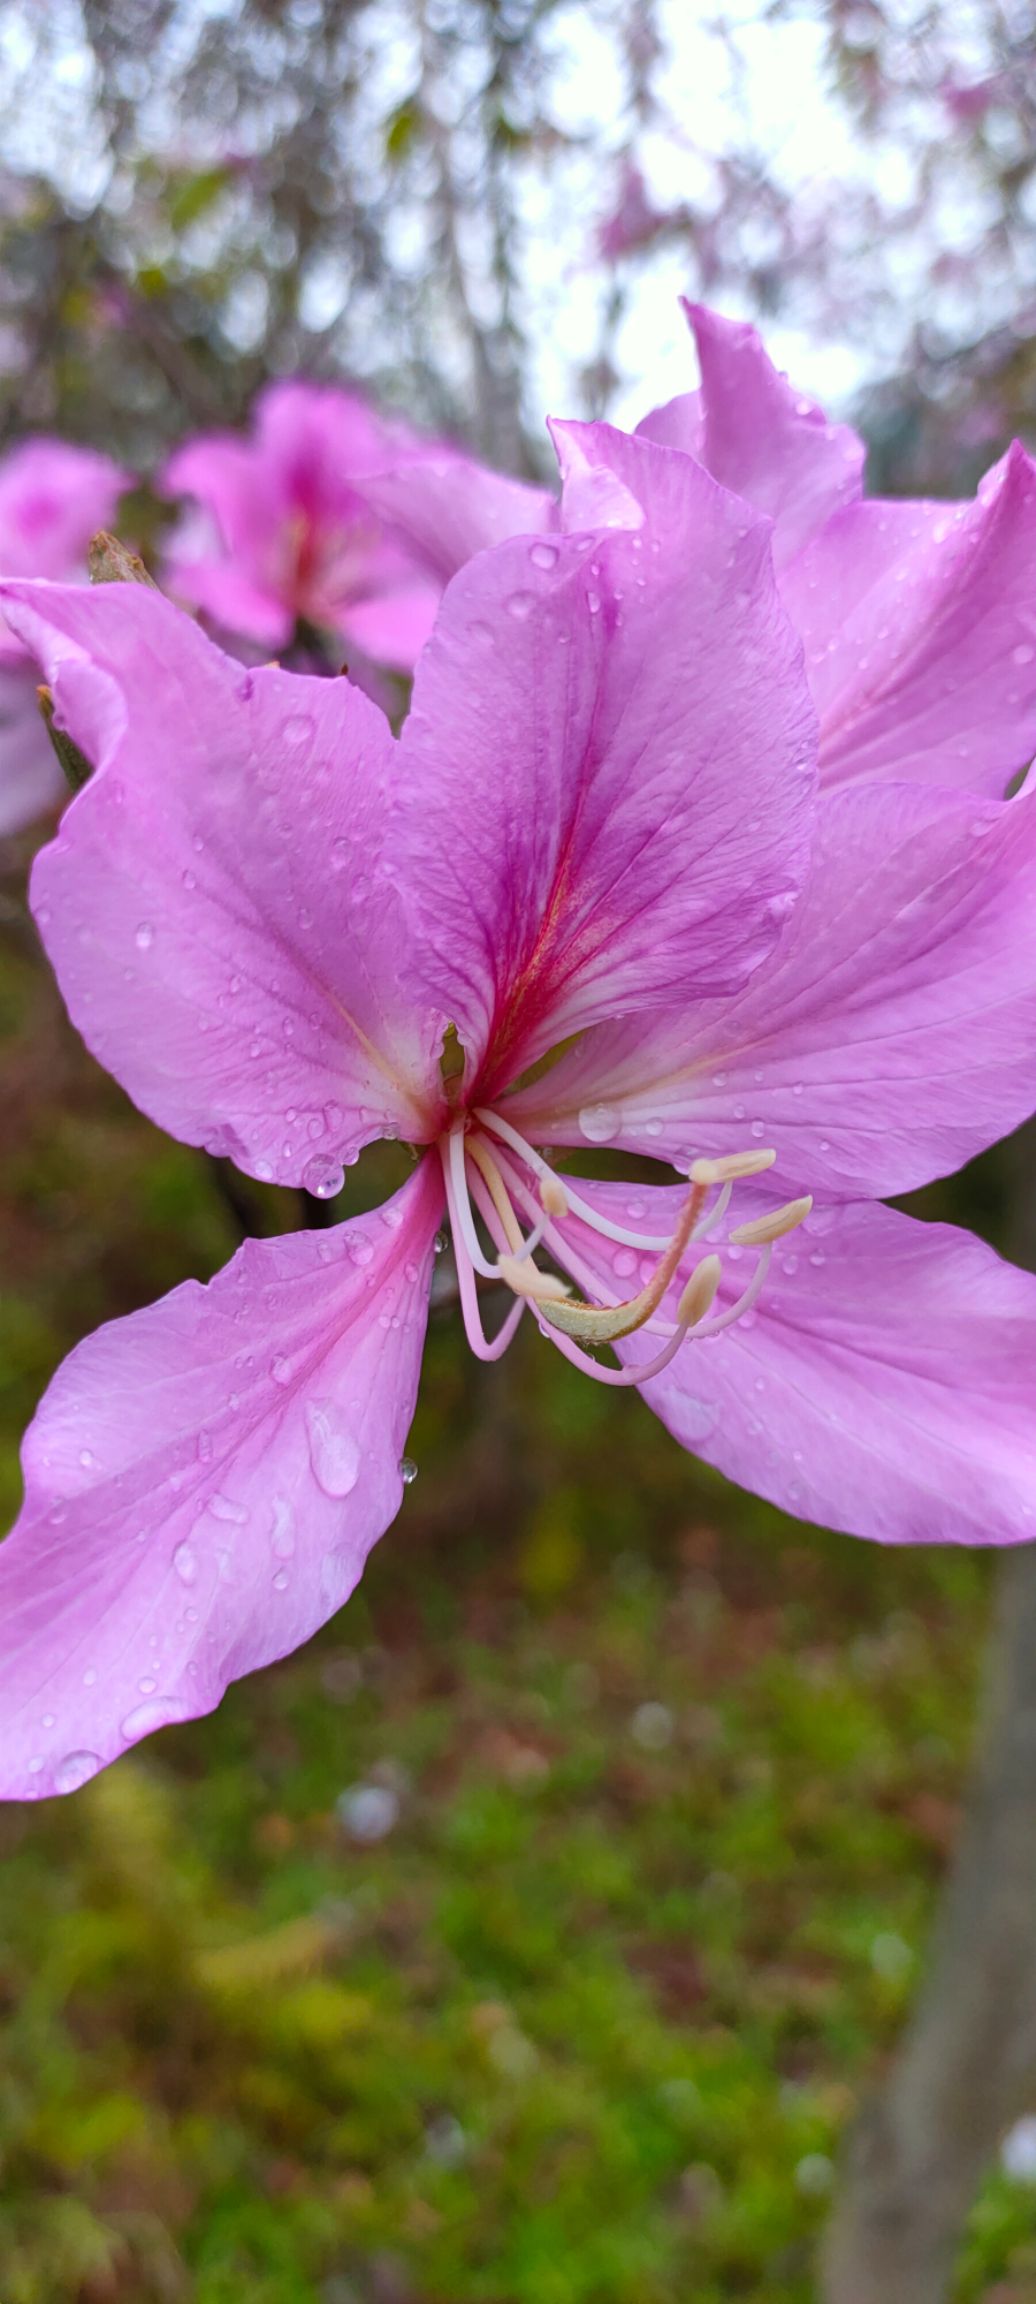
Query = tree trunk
x=967 y=2065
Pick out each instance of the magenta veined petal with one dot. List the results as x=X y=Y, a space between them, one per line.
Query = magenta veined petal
x=891 y=1036
x=203 y=1483
x=590 y=713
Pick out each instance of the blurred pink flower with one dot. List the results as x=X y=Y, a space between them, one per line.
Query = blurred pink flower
x=332 y=516
x=53 y=497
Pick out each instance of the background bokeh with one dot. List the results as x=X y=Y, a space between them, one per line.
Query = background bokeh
x=531 y=1937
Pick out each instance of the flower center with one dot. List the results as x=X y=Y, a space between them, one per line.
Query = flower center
x=492 y=1172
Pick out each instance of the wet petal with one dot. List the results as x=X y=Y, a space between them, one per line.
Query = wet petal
x=758 y=435
x=884 y=1384
x=890 y=1038
x=204 y=1481
x=920 y=635
x=219 y=903
x=608 y=760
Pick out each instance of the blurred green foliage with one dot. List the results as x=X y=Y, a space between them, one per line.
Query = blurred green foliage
x=663 y=1782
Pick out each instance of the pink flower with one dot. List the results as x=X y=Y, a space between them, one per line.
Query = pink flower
x=918 y=618
x=53 y=498
x=335 y=517
x=267 y=914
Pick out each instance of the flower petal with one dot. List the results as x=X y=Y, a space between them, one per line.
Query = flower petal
x=218 y=903
x=446 y=507
x=30 y=779
x=755 y=433
x=891 y=1037
x=590 y=717
x=920 y=632
x=885 y=1383
x=204 y=1481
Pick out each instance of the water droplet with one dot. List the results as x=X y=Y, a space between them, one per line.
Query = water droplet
x=360 y=1249
x=185 y=1562
x=544 y=555
x=158 y=1712
x=87 y=1458
x=90 y=1676
x=440 y=1243
x=520 y=605
x=297 y=728
x=147 y=1687
x=75 y=1769
x=283 y=1536
x=280 y=1369
x=1023 y=654
x=599 y=1123
x=323 y=1176
x=189 y=880
x=333 y=1452
x=281 y=1580
x=144 y=937
x=223 y=1508
x=625 y=1264
x=407 y=1471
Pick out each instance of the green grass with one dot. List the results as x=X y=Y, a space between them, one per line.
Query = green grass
x=672 y=1782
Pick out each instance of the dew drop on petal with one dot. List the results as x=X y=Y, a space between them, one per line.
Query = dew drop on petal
x=280 y=1369
x=407 y=1471
x=544 y=555
x=185 y=1562
x=144 y=937
x=1023 y=654
x=75 y=1769
x=360 y=1249
x=281 y=1580
x=520 y=605
x=599 y=1123
x=223 y=1508
x=323 y=1176
x=157 y=1712
x=298 y=728
x=333 y=1452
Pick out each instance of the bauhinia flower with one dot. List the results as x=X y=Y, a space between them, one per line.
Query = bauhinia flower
x=52 y=498
x=335 y=518
x=591 y=867
x=918 y=618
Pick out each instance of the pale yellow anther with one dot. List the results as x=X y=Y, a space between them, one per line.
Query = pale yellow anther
x=699 y=1294
x=524 y=1279
x=553 y=1196
x=727 y=1169
x=762 y=1229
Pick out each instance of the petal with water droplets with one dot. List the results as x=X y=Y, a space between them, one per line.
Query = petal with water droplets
x=143 y=1575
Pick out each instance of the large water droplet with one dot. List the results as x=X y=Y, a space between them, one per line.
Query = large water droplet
x=185 y=1562
x=323 y=1176
x=333 y=1452
x=75 y=1769
x=544 y=555
x=158 y=1712
x=223 y=1508
x=520 y=605
x=144 y=937
x=599 y=1123
x=407 y=1471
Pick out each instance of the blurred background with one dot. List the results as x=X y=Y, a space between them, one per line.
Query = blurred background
x=534 y=1936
